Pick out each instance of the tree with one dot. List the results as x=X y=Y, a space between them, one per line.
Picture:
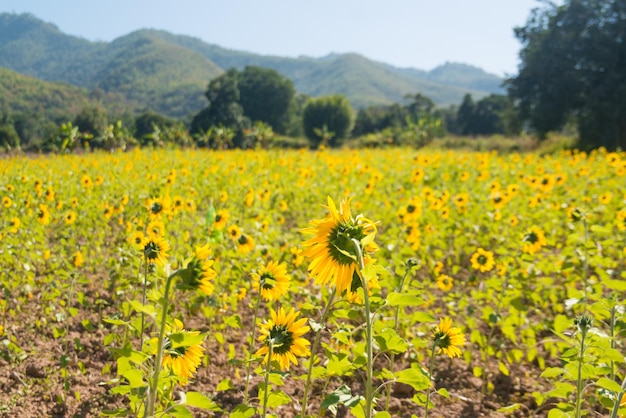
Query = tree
x=147 y=123
x=465 y=116
x=331 y=115
x=266 y=96
x=224 y=108
x=91 y=121
x=573 y=67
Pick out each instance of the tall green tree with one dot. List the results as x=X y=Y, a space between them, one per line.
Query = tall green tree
x=224 y=108
x=573 y=67
x=329 y=119
x=266 y=96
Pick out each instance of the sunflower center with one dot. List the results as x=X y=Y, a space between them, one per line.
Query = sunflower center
x=156 y=208
x=410 y=208
x=267 y=281
x=218 y=218
x=442 y=339
x=482 y=259
x=531 y=237
x=152 y=250
x=281 y=339
x=341 y=246
x=243 y=240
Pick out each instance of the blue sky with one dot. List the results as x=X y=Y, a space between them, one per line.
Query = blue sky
x=419 y=33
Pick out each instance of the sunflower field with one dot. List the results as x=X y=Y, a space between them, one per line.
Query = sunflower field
x=365 y=283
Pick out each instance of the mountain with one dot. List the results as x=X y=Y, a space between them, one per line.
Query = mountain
x=168 y=73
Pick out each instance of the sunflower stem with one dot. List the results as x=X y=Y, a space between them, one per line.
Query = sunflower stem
x=266 y=393
x=154 y=383
x=368 y=331
x=143 y=302
x=618 y=400
x=430 y=375
x=249 y=365
x=316 y=342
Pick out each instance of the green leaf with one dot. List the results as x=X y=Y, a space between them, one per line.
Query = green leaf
x=609 y=384
x=225 y=384
x=510 y=408
x=552 y=372
x=341 y=395
x=414 y=377
x=561 y=323
x=185 y=339
x=242 y=411
x=135 y=378
x=444 y=392
x=233 y=321
x=141 y=308
x=503 y=369
x=339 y=365
x=198 y=400
x=403 y=299
x=210 y=216
x=382 y=414
x=388 y=340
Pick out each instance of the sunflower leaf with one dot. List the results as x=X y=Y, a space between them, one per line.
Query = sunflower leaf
x=403 y=299
x=185 y=339
x=346 y=253
x=198 y=400
x=414 y=377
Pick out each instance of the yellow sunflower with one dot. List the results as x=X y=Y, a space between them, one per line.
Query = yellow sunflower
x=155 y=249
x=272 y=279
x=332 y=251
x=14 y=225
x=284 y=334
x=182 y=360
x=78 y=259
x=234 y=232
x=245 y=244
x=136 y=239
x=482 y=260
x=447 y=338
x=7 y=202
x=534 y=239
x=199 y=274
x=43 y=215
x=221 y=218
x=445 y=282
x=621 y=220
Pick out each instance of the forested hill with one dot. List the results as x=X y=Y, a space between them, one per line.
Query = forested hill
x=169 y=73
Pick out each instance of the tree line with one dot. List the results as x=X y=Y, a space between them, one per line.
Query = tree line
x=572 y=75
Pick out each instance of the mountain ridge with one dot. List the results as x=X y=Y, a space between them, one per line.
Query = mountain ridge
x=168 y=73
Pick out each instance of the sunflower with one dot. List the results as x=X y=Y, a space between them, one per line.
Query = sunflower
x=70 y=217
x=86 y=181
x=273 y=280
x=136 y=239
x=332 y=251
x=155 y=249
x=482 y=260
x=245 y=244
x=7 y=202
x=533 y=240
x=155 y=228
x=447 y=338
x=14 y=225
x=621 y=220
x=182 y=360
x=284 y=334
x=157 y=207
x=78 y=259
x=43 y=215
x=234 y=232
x=445 y=282
x=221 y=218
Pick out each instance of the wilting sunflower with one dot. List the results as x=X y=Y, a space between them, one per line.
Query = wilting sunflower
x=272 y=280
x=245 y=244
x=284 y=334
x=482 y=260
x=534 y=239
x=182 y=360
x=332 y=251
x=155 y=249
x=444 y=282
x=447 y=338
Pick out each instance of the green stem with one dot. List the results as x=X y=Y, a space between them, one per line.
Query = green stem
x=618 y=400
x=249 y=365
x=430 y=376
x=143 y=302
x=368 y=332
x=316 y=342
x=395 y=328
x=586 y=263
x=267 y=378
x=154 y=383
x=579 y=380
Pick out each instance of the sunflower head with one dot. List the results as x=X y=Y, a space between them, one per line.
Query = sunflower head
x=332 y=249
x=272 y=280
x=155 y=249
x=448 y=339
x=198 y=274
x=282 y=335
x=183 y=352
x=482 y=260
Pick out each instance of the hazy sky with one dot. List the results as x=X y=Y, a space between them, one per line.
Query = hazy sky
x=419 y=33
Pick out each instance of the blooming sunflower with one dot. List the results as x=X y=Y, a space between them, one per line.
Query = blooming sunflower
x=234 y=232
x=444 y=282
x=7 y=202
x=332 y=252
x=284 y=334
x=200 y=275
x=136 y=239
x=482 y=260
x=221 y=218
x=14 y=225
x=245 y=244
x=43 y=215
x=272 y=280
x=78 y=259
x=155 y=249
x=447 y=338
x=534 y=239
x=182 y=360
